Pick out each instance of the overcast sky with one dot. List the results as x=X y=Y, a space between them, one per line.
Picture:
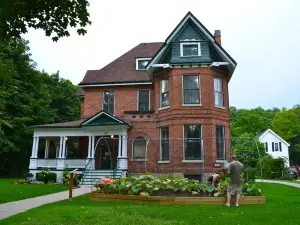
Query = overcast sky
x=261 y=35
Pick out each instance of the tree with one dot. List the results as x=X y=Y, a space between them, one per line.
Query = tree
x=54 y=17
x=286 y=124
x=31 y=97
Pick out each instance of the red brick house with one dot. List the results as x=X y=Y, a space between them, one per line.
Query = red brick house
x=161 y=107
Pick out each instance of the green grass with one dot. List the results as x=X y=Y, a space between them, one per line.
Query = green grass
x=12 y=192
x=282 y=207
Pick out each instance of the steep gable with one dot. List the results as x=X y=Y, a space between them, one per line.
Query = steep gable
x=191 y=28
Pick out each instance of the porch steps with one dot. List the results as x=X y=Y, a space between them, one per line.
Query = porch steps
x=92 y=176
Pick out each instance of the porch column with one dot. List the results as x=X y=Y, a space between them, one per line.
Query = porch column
x=60 y=147
x=64 y=147
x=123 y=160
x=93 y=147
x=47 y=149
x=119 y=147
x=36 y=147
x=33 y=148
x=89 y=148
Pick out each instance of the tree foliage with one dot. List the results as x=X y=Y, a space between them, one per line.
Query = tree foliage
x=252 y=122
x=54 y=17
x=28 y=97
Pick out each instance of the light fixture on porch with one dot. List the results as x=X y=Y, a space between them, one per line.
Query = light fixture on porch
x=66 y=138
x=111 y=136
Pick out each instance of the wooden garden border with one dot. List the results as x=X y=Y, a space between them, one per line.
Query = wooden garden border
x=245 y=200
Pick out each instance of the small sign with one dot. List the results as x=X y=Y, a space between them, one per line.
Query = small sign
x=217 y=165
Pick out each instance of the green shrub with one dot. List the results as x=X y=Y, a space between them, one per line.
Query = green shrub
x=46 y=176
x=272 y=168
x=27 y=176
x=251 y=174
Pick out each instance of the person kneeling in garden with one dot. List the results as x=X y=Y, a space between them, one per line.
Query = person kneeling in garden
x=236 y=172
x=214 y=179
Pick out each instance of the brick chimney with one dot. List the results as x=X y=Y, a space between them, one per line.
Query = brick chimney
x=218 y=36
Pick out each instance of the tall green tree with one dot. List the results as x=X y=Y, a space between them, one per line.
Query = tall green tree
x=31 y=97
x=286 y=124
x=54 y=17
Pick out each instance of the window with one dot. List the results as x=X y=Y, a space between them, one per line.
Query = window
x=141 y=63
x=144 y=100
x=191 y=91
x=276 y=147
x=190 y=49
x=192 y=142
x=218 y=87
x=164 y=93
x=220 y=141
x=164 y=143
x=109 y=102
x=139 y=148
x=266 y=146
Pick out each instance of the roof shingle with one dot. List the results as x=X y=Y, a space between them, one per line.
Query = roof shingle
x=123 y=69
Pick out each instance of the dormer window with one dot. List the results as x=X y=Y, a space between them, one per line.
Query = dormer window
x=190 y=49
x=141 y=63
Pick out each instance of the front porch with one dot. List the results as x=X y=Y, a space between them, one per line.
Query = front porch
x=96 y=143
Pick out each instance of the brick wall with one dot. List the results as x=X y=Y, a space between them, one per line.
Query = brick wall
x=148 y=125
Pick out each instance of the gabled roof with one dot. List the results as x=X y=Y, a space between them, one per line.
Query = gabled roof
x=272 y=132
x=123 y=69
x=190 y=17
x=99 y=119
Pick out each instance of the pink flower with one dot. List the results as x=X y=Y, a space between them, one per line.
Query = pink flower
x=106 y=181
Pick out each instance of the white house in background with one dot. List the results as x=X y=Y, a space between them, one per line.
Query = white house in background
x=275 y=145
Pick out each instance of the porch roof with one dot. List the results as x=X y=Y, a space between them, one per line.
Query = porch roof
x=99 y=119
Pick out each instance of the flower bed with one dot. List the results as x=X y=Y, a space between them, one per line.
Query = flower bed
x=150 y=188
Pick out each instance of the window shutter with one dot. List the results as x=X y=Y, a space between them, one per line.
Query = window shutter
x=272 y=146
x=266 y=146
x=280 y=149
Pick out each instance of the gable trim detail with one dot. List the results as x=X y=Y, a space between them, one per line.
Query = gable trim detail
x=272 y=132
x=106 y=114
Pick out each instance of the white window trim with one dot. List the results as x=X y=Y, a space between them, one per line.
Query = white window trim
x=132 y=150
x=160 y=92
x=160 y=148
x=202 y=147
x=140 y=59
x=196 y=104
x=138 y=96
x=219 y=106
x=190 y=43
x=114 y=100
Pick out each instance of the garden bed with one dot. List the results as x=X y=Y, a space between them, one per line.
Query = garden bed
x=245 y=200
x=166 y=190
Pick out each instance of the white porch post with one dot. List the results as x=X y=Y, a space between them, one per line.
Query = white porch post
x=47 y=149
x=64 y=147
x=89 y=148
x=93 y=147
x=36 y=147
x=33 y=159
x=123 y=159
x=33 y=148
x=60 y=147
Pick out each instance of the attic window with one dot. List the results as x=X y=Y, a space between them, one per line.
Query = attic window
x=190 y=49
x=141 y=63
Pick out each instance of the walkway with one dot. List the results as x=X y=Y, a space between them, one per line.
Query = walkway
x=12 y=208
x=279 y=182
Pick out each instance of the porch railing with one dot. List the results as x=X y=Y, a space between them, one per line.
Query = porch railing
x=48 y=163
x=68 y=163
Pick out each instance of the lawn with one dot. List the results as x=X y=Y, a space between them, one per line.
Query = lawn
x=283 y=206
x=12 y=192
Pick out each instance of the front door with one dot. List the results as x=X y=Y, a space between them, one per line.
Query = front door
x=106 y=156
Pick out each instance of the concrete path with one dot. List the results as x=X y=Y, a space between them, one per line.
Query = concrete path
x=279 y=182
x=12 y=208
